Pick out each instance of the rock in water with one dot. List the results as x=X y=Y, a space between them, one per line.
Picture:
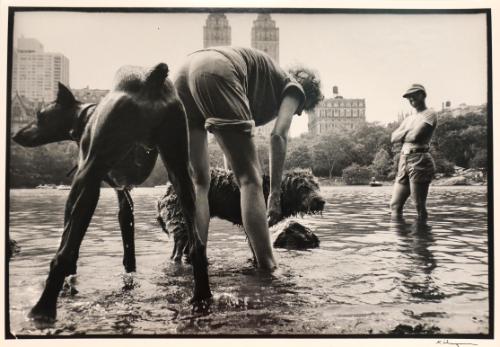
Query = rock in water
x=452 y=181
x=296 y=236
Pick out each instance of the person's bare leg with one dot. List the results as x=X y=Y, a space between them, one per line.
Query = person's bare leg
x=242 y=155
x=419 y=193
x=400 y=194
x=201 y=178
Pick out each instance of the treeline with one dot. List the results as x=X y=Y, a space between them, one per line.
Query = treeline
x=49 y=164
x=359 y=154
x=355 y=155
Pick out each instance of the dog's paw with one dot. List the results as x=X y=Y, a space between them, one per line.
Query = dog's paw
x=41 y=314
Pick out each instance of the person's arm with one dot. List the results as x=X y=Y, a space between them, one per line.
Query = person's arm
x=277 y=154
x=419 y=133
x=422 y=131
x=399 y=134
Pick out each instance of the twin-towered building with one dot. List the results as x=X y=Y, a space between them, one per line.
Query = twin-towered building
x=333 y=113
x=264 y=36
x=36 y=74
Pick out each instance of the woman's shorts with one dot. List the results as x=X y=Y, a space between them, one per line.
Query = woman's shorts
x=213 y=93
x=415 y=167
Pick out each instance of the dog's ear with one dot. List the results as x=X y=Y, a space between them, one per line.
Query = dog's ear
x=65 y=96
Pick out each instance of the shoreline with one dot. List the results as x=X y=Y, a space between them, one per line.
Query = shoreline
x=436 y=183
x=321 y=182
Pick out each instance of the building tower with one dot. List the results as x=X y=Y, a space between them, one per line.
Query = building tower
x=35 y=74
x=265 y=35
x=216 y=31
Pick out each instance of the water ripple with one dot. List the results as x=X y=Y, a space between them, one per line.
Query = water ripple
x=368 y=275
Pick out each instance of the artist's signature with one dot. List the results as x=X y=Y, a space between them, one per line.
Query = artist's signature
x=457 y=344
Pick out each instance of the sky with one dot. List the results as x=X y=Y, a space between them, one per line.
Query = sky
x=370 y=56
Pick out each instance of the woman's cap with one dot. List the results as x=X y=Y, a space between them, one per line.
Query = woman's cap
x=413 y=89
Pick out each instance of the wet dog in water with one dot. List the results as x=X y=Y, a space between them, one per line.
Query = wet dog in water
x=299 y=195
x=119 y=141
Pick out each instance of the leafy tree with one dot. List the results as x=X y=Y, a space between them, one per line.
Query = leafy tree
x=382 y=164
x=459 y=138
x=331 y=154
x=355 y=174
x=480 y=159
x=215 y=155
x=263 y=153
x=442 y=165
x=369 y=138
x=299 y=157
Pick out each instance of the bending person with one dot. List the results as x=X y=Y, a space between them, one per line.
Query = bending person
x=416 y=166
x=228 y=91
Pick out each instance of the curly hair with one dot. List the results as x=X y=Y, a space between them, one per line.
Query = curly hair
x=310 y=82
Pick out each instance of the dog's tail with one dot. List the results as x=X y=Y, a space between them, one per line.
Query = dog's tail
x=156 y=77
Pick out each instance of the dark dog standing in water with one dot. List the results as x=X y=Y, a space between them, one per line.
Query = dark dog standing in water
x=119 y=141
x=299 y=195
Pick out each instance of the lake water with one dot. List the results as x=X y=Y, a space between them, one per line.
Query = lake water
x=369 y=276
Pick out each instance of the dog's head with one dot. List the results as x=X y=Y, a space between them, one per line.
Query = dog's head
x=300 y=194
x=53 y=122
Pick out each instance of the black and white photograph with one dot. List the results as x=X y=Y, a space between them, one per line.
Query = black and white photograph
x=333 y=180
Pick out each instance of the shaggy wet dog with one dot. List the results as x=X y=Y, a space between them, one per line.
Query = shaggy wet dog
x=299 y=195
x=119 y=141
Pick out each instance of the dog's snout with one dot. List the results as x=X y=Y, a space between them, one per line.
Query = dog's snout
x=317 y=203
x=16 y=137
x=20 y=139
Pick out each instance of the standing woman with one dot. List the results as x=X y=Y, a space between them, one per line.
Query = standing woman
x=228 y=91
x=416 y=166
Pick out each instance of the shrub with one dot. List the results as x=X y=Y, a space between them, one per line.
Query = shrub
x=355 y=174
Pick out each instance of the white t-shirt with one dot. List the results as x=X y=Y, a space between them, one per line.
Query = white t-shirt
x=428 y=116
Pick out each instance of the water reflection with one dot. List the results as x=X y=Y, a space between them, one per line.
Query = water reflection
x=368 y=275
x=415 y=242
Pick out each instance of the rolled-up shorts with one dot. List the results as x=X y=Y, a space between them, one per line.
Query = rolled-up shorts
x=214 y=94
x=415 y=167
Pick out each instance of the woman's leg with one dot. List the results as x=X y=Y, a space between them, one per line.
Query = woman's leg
x=419 y=193
x=201 y=178
x=240 y=150
x=400 y=194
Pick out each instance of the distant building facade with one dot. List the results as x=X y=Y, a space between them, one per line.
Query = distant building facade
x=35 y=73
x=87 y=95
x=337 y=113
x=217 y=31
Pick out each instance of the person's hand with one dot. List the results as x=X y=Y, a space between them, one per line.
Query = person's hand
x=273 y=209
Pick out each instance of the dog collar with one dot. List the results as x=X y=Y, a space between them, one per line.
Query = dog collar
x=81 y=121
